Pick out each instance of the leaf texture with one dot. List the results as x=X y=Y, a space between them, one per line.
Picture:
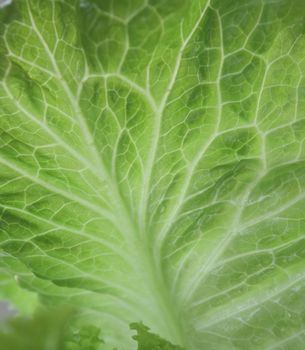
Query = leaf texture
x=152 y=165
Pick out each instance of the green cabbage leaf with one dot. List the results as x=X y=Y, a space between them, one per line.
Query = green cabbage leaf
x=152 y=168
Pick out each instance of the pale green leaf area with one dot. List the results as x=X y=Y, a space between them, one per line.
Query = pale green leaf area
x=152 y=166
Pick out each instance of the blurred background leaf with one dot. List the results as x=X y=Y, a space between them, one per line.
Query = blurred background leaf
x=53 y=329
x=48 y=330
